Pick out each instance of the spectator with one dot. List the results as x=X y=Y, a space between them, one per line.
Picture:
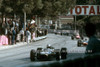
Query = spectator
x=37 y=32
x=22 y=34
x=13 y=36
x=14 y=23
x=9 y=36
x=16 y=30
x=93 y=43
x=28 y=36
x=33 y=35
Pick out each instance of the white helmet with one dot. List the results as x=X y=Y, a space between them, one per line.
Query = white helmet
x=49 y=46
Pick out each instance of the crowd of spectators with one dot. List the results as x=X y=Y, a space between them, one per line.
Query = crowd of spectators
x=10 y=29
x=14 y=31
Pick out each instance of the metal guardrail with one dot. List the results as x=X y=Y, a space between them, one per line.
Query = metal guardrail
x=86 y=61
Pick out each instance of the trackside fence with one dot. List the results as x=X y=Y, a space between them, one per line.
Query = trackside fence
x=87 y=61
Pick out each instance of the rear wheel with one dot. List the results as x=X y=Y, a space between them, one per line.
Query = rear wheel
x=63 y=53
x=38 y=53
x=79 y=43
x=32 y=55
x=72 y=37
x=57 y=51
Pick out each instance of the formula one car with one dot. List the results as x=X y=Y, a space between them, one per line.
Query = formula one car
x=48 y=53
x=60 y=33
x=82 y=42
x=75 y=36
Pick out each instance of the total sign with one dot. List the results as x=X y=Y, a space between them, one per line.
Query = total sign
x=85 y=10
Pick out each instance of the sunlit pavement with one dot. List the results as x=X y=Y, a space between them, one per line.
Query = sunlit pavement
x=20 y=56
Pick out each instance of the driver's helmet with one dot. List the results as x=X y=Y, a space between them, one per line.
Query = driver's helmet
x=49 y=46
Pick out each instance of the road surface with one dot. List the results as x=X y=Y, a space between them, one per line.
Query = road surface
x=20 y=56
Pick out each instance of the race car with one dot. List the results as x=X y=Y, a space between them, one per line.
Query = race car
x=48 y=53
x=82 y=42
x=75 y=36
x=58 y=32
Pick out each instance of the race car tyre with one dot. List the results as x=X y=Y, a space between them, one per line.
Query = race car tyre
x=82 y=38
x=72 y=37
x=61 y=34
x=63 y=53
x=38 y=53
x=55 y=33
x=57 y=54
x=32 y=55
x=39 y=49
x=79 y=43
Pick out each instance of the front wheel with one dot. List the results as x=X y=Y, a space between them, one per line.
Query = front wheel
x=63 y=53
x=72 y=37
x=32 y=55
x=79 y=43
x=57 y=56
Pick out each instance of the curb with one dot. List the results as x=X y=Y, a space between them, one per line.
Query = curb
x=20 y=43
x=11 y=46
x=40 y=38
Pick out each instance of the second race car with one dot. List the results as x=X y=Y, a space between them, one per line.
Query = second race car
x=82 y=42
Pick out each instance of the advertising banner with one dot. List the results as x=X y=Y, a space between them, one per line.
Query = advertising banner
x=85 y=10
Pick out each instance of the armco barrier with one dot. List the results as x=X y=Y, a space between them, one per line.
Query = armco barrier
x=87 y=61
x=56 y=64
